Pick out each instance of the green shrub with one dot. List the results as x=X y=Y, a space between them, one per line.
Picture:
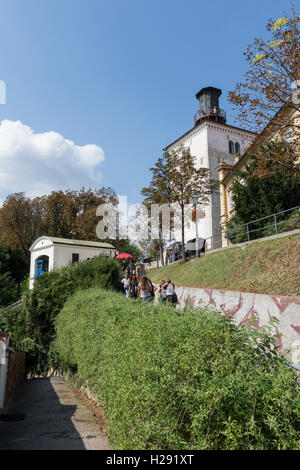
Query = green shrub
x=35 y=328
x=170 y=380
x=9 y=319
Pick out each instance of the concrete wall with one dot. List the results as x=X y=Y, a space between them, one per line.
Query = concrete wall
x=241 y=305
x=15 y=375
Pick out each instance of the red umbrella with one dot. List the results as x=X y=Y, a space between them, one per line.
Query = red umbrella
x=123 y=256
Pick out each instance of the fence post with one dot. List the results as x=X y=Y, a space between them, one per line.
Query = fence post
x=226 y=236
x=276 y=229
x=248 y=232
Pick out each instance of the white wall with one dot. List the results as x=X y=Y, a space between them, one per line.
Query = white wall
x=63 y=254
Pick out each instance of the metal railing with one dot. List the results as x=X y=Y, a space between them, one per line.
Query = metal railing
x=276 y=223
x=10 y=307
x=209 y=112
x=246 y=231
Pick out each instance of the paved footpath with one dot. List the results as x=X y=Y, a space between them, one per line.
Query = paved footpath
x=55 y=419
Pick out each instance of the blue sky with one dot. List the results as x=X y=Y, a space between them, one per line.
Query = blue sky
x=120 y=75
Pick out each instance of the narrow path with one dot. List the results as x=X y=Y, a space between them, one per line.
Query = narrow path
x=55 y=419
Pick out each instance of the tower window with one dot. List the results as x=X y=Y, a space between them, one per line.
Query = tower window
x=237 y=149
x=231 y=147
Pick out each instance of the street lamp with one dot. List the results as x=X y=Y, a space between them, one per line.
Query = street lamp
x=195 y=203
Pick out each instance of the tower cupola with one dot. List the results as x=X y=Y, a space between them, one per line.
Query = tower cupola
x=209 y=105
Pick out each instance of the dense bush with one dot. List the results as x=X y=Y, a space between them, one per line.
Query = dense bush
x=9 y=319
x=170 y=380
x=34 y=330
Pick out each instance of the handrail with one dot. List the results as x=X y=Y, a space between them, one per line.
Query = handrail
x=18 y=303
x=229 y=232
x=209 y=112
x=268 y=216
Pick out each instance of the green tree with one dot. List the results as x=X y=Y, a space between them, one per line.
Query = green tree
x=69 y=214
x=22 y=220
x=176 y=179
x=127 y=246
x=255 y=198
x=185 y=180
x=158 y=193
x=267 y=89
x=8 y=287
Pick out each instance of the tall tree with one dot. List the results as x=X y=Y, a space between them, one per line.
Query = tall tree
x=69 y=214
x=175 y=180
x=9 y=289
x=271 y=85
x=158 y=192
x=22 y=220
x=185 y=180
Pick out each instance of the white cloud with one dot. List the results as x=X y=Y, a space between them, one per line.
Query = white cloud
x=39 y=163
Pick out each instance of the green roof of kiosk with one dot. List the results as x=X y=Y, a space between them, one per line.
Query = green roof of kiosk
x=68 y=241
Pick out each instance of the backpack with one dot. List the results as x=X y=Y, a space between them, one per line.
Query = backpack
x=151 y=289
x=174 y=298
x=133 y=289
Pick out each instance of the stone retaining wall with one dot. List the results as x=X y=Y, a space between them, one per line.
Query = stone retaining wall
x=241 y=305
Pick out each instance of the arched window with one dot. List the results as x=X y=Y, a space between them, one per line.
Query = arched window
x=231 y=147
x=237 y=149
x=41 y=265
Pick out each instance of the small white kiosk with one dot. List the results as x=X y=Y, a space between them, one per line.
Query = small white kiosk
x=48 y=253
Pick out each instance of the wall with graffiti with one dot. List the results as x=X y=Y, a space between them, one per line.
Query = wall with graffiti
x=260 y=308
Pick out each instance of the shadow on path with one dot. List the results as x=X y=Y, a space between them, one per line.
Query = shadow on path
x=55 y=419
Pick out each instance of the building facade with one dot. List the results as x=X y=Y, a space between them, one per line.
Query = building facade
x=211 y=141
x=48 y=253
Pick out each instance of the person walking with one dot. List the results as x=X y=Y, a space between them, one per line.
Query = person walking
x=125 y=282
x=132 y=289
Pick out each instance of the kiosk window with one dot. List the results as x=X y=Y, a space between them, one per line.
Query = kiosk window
x=75 y=257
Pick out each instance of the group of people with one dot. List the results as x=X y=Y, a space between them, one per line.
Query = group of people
x=135 y=269
x=145 y=290
x=166 y=292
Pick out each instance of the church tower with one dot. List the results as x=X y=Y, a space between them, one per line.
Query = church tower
x=211 y=141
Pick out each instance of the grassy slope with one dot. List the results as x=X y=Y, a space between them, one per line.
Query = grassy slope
x=269 y=267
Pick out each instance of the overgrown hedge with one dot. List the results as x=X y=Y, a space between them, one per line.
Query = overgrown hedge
x=33 y=330
x=170 y=380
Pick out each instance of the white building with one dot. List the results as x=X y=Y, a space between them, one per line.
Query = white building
x=48 y=253
x=211 y=141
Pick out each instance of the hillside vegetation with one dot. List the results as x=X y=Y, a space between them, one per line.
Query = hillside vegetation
x=173 y=381
x=268 y=267
x=32 y=325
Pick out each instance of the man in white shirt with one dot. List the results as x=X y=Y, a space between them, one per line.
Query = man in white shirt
x=125 y=282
